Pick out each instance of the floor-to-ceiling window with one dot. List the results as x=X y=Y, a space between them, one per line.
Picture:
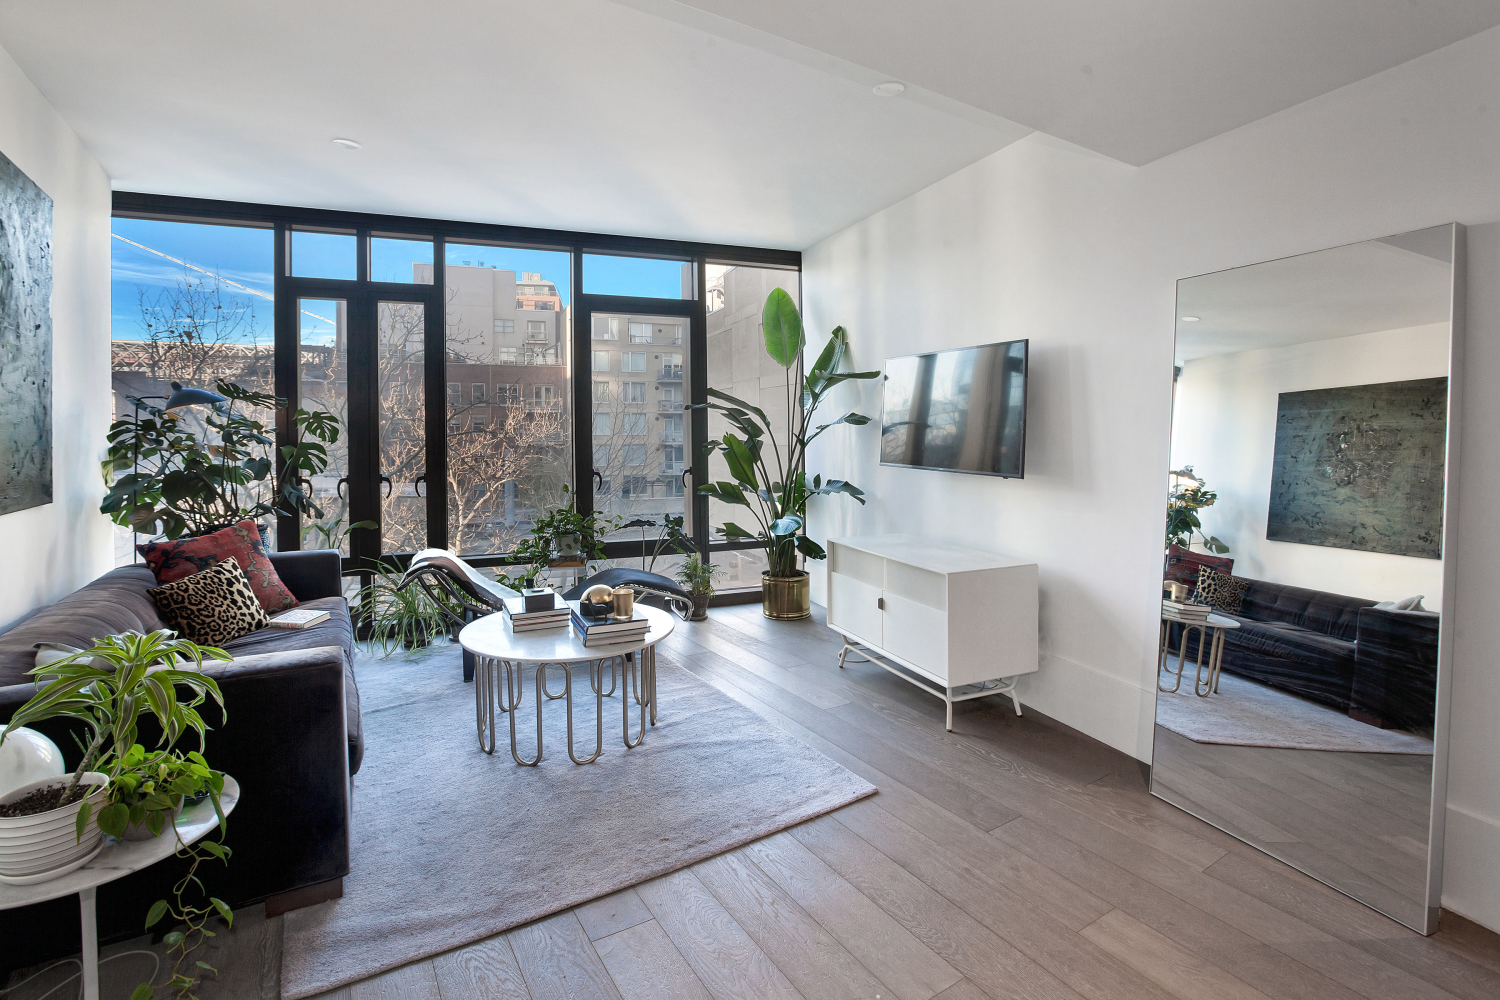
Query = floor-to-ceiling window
x=475 y=371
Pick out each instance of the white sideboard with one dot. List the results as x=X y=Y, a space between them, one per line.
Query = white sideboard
x=962 y=619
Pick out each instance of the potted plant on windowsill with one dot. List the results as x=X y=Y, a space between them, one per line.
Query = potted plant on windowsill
x=697 y=578
x=774 y=486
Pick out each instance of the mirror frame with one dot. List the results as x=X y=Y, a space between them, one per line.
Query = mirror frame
x=1438 y=803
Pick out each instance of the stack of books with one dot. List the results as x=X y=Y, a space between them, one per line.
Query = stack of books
x=1182 y=609
x=522 y=620
x=603 y=631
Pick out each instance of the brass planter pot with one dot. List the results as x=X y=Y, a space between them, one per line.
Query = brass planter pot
x=786 y=598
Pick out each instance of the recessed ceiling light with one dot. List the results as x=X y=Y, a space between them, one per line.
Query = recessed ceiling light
x=889 y=89
x=1191 y=319
x=346 y=143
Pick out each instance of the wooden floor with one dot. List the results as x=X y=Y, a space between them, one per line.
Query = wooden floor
x=1012 y=858
x=1356 y=820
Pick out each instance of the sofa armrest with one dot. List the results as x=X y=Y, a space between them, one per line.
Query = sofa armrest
x=311 y=574
x=1395 y=669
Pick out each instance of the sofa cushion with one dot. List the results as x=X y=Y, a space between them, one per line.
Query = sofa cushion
x=116 y=602
x=1332 y=615
x=182 y=557
x=1183 y=565
x=338 y=630
x=1316 y=651
x=213 y=606
x=1220 y=590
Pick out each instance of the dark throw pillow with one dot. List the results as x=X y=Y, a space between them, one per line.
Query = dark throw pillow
x=211 y=607
x=1183 y=565
x=177 y=560
x=1220 y=590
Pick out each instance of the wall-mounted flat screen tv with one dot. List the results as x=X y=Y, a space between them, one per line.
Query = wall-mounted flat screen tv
x=958 y=411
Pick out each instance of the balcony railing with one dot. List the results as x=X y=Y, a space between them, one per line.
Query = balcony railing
x=669 y=405
x=671 y=373
x=670 y=468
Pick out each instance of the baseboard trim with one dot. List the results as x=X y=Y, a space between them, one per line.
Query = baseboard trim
x=308 y=895
x=1471 y=878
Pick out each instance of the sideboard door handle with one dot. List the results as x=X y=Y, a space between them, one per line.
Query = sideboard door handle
x=880 y=603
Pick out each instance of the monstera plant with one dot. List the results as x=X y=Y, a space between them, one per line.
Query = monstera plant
x=769 y=478
x=165 y=477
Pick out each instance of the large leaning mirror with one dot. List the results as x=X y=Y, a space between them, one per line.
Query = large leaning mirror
x=1304 y=655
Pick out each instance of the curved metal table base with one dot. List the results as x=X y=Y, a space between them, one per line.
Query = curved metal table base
x=499 y=685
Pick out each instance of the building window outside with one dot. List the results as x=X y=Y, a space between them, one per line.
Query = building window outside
x=542 y=394
x=507 y=395
x=601 y=425
x=676 y=332
x=635 y=392
x=635 y=454
x=480 y=422
x=671 y=397
x=480 y=489
x=671 y=460
x=455 y=394
x=536 y=330
x=640 y=333
x=671 y=428
x=632 y=361
x=636 y=486
x=601 y=361
x=601 y=456
x=671 y=366
x=601 y=391
x=479 y=392
x=633 y=423
x=544 y=306
x=505 y=326
x=453 y=427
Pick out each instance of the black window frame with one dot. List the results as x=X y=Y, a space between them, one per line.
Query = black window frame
x=283 y=219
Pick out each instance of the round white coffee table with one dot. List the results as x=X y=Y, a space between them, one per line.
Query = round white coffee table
x=116 y=860
x=1211 y=634
x=500 y=655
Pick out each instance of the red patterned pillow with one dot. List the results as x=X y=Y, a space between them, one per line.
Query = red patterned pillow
x=172 y=561
x=1183 y=566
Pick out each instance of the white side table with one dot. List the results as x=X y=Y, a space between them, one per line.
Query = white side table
x=500 y=655
x=1211 y=634
x=117 y=860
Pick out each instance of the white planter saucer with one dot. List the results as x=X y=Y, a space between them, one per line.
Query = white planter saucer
x=56 y=872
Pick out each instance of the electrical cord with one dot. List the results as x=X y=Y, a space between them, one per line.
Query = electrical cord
x=77 y=975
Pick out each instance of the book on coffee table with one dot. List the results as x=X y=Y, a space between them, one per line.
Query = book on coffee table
x=522 y=620
x=604 y=630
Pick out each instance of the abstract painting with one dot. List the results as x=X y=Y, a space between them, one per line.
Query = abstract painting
x=1361 y=467
x=25 y=341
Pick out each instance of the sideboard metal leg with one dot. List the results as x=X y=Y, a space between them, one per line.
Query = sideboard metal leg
x=948 y=699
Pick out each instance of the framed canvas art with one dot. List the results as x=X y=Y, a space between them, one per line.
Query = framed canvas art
x=1361 y=467
x=25 y=341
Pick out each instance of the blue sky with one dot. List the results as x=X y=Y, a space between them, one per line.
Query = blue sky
x=244 y=256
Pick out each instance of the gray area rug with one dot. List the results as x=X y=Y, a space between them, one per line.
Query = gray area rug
x=451 y=846
x=1245 y=713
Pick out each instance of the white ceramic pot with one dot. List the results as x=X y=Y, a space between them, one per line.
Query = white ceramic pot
x=44 y=842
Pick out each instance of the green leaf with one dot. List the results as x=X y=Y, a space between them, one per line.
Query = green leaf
x=810 y=548
x=82 y=822
x=740 y=460
x=224 y=910
x=142 y=992
x=732 y=530
x=788 y=525
x=114 y=818
x=157 y=911
x=782 y=327
x=210 y=968
x=173 y=939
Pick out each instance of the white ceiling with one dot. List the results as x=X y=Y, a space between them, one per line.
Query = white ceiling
x=747 y=122
x=1133 y=79
x=570 y=114
x=1390 y=284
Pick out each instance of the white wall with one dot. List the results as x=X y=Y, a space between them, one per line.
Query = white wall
x=51 y=550
x=1224 y=425
x=1081 y=254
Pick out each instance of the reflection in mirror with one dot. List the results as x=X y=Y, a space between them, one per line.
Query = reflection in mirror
x=1298 y=674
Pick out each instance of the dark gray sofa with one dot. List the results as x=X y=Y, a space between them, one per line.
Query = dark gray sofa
x=292 y=739
x=1379 y=666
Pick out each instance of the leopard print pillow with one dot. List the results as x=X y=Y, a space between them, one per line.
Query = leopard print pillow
x=213 y=606
x=1220 y=590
